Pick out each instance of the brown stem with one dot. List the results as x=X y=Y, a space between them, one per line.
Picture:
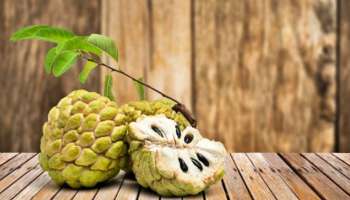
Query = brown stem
x=178 y=107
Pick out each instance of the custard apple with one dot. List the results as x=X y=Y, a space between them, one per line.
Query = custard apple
x=171 y=160
x=83 y=140
x=133 y=110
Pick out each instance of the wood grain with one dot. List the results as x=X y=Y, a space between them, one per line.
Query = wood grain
x=276 y=184
x=248 y=176
x=259 y=75
x=65 y=193
x=22 y=183
x=215 y=192
x=47 y=192
x=344 y=77
x=170 y=198
x=127 y=23
x=265 y=73
x=326 y=188
x=110 y=190
x=4 y=157
x=37 y=184
x=344 y=157
x=199 y=196
x=339 y=165
x=18 y=173
x=170 y=49
x=129 y=190
x=146 y=194
x=234 y=182
x=14 y=163
x=85 y=194
x=333 y=174
x=30 y=93
x=254 y=182
x=299 y=187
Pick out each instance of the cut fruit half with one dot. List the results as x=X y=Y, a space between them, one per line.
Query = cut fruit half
x=172 y=161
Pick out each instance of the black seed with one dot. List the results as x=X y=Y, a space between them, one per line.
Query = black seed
x=183 y=165
x=157 y=130
x=203 y=159
x=188 y=138
x=178 y=131
x=197 y=163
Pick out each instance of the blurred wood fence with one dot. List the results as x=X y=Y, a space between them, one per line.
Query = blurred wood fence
x=260 y=75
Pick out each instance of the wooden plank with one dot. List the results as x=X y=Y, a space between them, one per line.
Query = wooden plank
x=255 y=184
x=47 y=192
x=170 y=59
x=22 y=76
x=233 y=181
x=12 y=165
x=65 y=193
x=18 y=173
x=84 y=194
x=215 y=192
x=199 y=196
x=299 y=187
x=110 y=189
x=339 y=165
x=21 y=183
x=170 y=198
x=344 y=77
x=129 y=189
x=345 y=157
x=34 y=187
x=314 y=177
x=253 y=60
x=341 y=180
x=4 y=157
x=127 y=23
x=276 y=184
x=146 y=194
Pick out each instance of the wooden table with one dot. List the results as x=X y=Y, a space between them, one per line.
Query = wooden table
x=248 y=176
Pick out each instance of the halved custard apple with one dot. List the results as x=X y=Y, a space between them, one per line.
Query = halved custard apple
x=173 y=161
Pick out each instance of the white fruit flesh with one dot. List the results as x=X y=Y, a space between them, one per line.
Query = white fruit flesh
x=180 y=164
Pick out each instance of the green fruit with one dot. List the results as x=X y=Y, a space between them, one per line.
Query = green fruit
x=134 y=110
x=81 y=143
x=171 y=160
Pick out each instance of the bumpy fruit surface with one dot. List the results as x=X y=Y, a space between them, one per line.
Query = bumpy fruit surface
x=171 y=160
x=83 y=140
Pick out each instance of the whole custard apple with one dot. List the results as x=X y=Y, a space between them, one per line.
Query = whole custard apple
x=171 y=160
x=83 y=140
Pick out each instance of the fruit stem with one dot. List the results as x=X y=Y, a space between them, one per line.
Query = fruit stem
x=178 y=107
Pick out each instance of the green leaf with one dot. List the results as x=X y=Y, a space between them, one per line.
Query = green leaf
x=49 y=59
x=88 y=67
x=140 y=89
x=104 y=43
x=64 y=62
x=108 y=87
x=42 y=32
x=81 y=43
x=26 y=32
x=74 y=44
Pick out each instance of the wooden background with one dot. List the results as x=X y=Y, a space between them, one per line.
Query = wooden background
x=260 y=75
